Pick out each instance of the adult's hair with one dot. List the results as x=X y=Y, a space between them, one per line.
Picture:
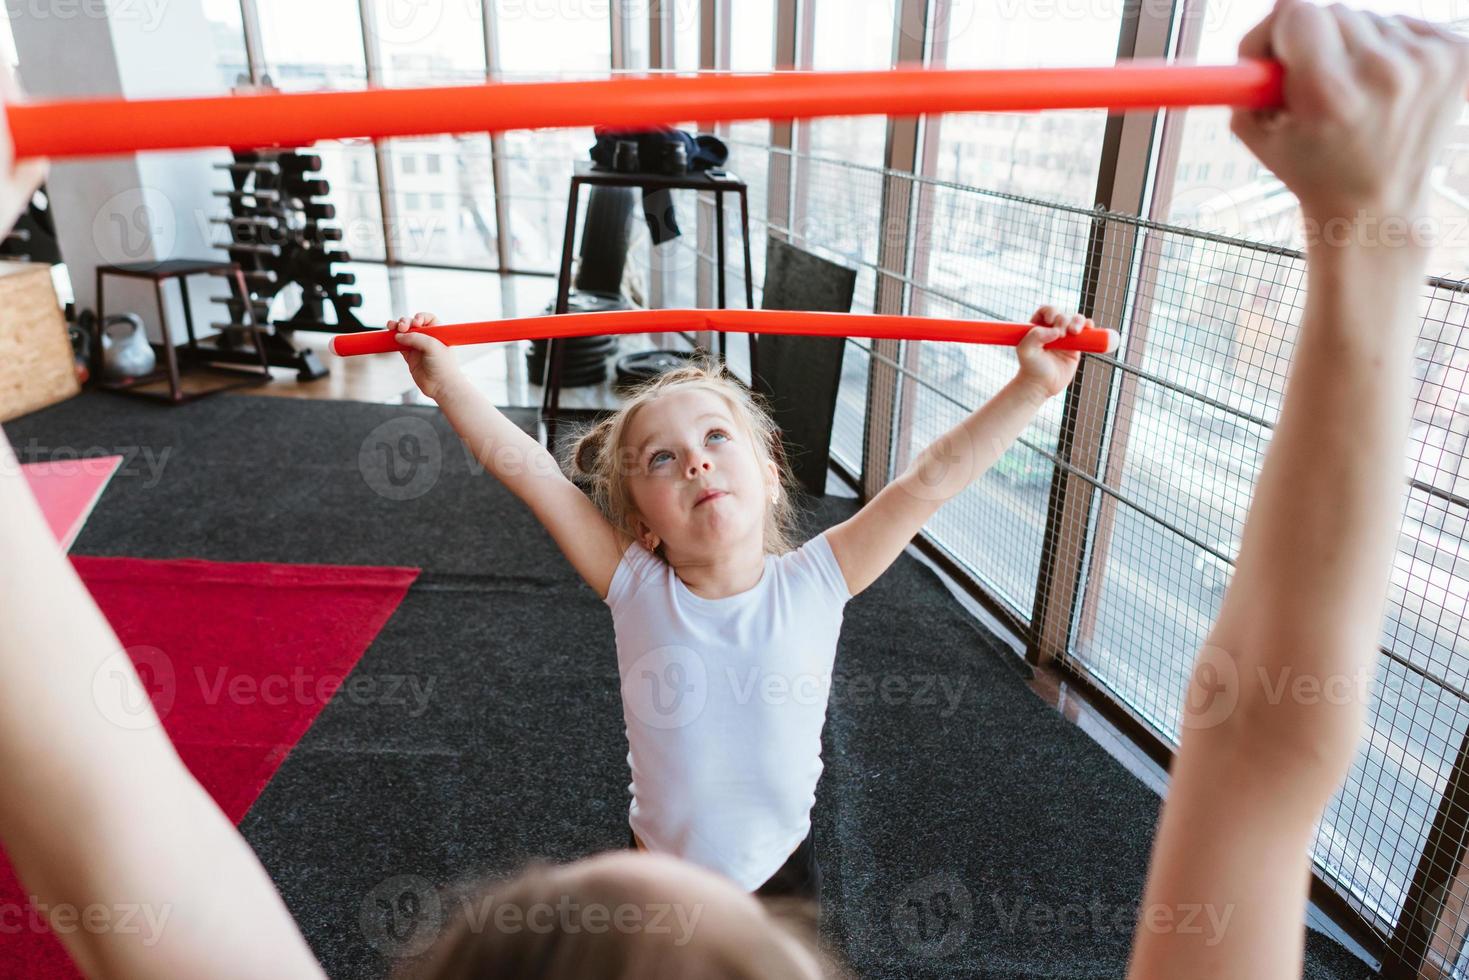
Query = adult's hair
x=588 y=922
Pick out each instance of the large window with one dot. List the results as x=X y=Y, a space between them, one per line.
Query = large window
x=568 y=39
x=686 y=36
x=227 y=35
x=838 y=207
x=1218 y=185
x=751 y=27
x=1050 y=155
x=993 y=258
x=442 y=187
x=444 y=192
x=673 y=266
x=752 y=49
x=851 y=35
x=314 y=46
x=980 y=253
x=1189 y=433
x=445 y=200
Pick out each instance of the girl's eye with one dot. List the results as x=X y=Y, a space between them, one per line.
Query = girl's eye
x=664 y=455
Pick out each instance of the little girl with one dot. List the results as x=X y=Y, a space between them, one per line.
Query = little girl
x=726 y=634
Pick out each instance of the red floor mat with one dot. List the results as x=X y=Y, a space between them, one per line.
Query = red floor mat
x=239 y=659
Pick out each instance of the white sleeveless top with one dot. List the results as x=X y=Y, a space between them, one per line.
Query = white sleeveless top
x=724 y=701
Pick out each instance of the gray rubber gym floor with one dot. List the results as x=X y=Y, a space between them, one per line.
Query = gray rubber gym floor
x=964 y=828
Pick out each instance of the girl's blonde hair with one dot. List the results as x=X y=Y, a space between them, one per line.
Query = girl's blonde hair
x=599 y=462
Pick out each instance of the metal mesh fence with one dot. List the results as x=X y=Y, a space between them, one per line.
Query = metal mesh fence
x=1208 y=332
x=1159 y=459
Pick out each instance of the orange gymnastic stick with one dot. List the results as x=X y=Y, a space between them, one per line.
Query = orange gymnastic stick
x=93 y=127
x=879 y=327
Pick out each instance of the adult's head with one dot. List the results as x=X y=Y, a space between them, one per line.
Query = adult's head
x=624 y=915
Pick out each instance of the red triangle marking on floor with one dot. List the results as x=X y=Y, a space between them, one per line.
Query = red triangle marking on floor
x=239 y=658
x=67 y=490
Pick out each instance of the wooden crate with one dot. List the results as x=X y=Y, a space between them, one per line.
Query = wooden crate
x=36 y=366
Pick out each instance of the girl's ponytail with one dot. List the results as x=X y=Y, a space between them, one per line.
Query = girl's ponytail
x=585 y=459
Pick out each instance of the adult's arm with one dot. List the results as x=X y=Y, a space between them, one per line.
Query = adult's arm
x=1279 y=693
x=140 y=872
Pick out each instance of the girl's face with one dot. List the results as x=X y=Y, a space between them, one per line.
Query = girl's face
x=698 y=486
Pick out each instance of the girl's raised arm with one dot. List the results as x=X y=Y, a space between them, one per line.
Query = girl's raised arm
x=526 y=467
x=870 y=540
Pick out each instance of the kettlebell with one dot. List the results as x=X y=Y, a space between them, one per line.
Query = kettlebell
x=126 y=352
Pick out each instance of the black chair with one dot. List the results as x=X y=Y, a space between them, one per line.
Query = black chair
x=799 y=376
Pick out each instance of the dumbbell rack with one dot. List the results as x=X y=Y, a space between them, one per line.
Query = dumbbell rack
x=277 y=236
